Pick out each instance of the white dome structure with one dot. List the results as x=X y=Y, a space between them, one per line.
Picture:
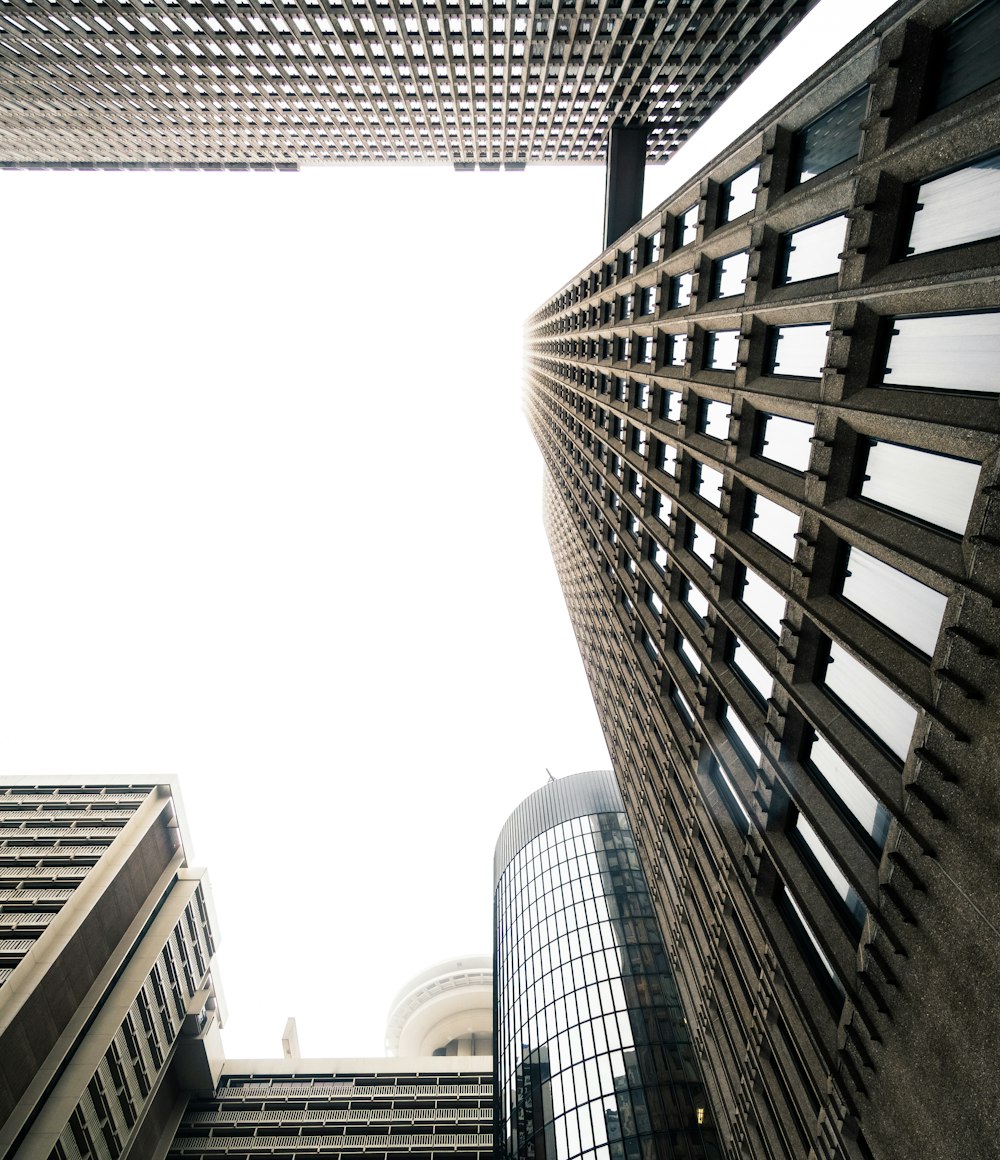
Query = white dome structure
x=446 y=1010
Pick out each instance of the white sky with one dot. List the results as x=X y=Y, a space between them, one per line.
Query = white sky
x=271 y=519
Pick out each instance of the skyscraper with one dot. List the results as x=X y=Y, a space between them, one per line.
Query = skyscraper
x=108 y=1011
x=769 y=417
x=593 y=1056
x=259 y=84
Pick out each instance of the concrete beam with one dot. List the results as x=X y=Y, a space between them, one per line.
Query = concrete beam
x=625 y=172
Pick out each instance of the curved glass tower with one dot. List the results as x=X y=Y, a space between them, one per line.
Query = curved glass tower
x=592 y=1051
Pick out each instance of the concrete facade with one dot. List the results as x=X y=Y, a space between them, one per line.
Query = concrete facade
x=262 y=85
x=769 y=417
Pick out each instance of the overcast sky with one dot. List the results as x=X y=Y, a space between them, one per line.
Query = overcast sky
x=271 y=518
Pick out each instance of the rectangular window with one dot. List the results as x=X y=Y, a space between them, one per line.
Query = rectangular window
x=682 y=705
x=623 y=349
x=819 y=856
x=753 y=674
x=798 y=351
x=730 y=795
x=708 y=483
x=647 y=300
x=680 y=290
x=729 y=275
x=937 y=489
x=784 y=441
x=695 y=600
x=658 y=556
x=813 y=252
x=686 y=227
x=640 y=396
x=647 y=349
x=651 y=650
x=813 y=952
x=739 y=195
x=662 y=507
x=701 y=544
x=764 y=602
x=838 y=779
x=666 y=458
x=947 y=352
x=743 y=740
x=722 y=349
x=670 y=406
x=687 y=654
x=904 y=605
x=875 y=705
x=626 y=303
x=713 y=418
x=970 y=53
x=675 y=353
x=654 y=602
x=832 y=138
x=772 y=523
x=958 y=208
x=651 y=249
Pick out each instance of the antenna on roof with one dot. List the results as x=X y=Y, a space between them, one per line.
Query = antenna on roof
x=549 y=772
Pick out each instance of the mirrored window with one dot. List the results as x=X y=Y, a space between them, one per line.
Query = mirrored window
x=935 y=488
x=813 y=252
x=877 y=706
x=833 y=138
x=799 y=351
x=948 y=352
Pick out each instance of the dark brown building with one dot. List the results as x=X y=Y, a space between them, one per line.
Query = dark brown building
x=769 y=416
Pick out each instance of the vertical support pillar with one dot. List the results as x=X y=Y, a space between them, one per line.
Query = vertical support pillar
x=626 y=170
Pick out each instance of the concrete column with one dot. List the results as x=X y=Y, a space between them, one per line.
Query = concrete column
x=625 y=172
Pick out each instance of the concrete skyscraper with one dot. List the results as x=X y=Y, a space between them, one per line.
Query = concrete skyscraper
x=769 y=417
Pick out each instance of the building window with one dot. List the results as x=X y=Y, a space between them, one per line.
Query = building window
x=647 y=301
x=658 y=555
x=621 y=389
x=653 y=600
x=948 y=352
x=651 y=249
x=744 y=742
x=750 y=670
x=813 y=252
x=798 y=351
x=675 y=349
x=838 y=780
x=640 y=396
x=626 y=303
x=873 y=703
x=682 y=705
x=729 y=275
x=647 y=348
x=722 y=349
x=651 y=650
x=708 y=483
x=686 y=227
x=670 y=405
x=763 y=601
x=937 y=489
x=680 y=290
x=661 y=507
x=666 y=458
x=805 y=936
x=831 y=139
x=957 y=209
x=695 y=600
x=739 y=195
x=969 y=53
x=904 y=605
x=784 y=441
x=701 y=544
x=692 y=661
x=772 y=523
x=731 y=798
x=713 y=418
x=623 y=349
x=812 y=847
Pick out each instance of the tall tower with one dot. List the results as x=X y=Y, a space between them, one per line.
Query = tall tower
x=108 y=1011
x=593 y=1055
x=769 y=418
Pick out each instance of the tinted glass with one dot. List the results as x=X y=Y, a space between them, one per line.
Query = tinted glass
x=832 y=138
x=970 y=53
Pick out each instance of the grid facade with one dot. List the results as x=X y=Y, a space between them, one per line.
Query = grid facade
x=593 y=1057
x=381 y=1114
x=283 y=83
x=769 y=417
x=49 y=840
